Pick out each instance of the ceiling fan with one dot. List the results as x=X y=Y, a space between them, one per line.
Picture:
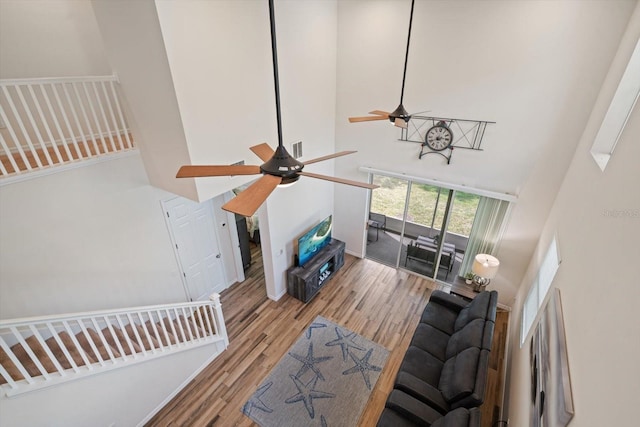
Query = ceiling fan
x=399 y=117
x=279 y=166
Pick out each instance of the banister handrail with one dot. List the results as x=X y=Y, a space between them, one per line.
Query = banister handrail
x=83 y=314
x=43 y=351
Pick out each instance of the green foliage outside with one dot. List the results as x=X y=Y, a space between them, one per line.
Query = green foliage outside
x=389 y=199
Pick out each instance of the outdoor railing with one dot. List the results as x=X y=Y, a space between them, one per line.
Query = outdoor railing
x=40 y=352
x=54 y=121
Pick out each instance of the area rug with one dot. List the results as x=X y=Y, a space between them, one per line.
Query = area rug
x=324 y=379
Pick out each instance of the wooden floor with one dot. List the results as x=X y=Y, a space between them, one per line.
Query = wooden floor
x=376 y=301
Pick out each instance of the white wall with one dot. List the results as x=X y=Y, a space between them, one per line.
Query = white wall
x=220 y=59
x=533 y=67
x=134 y=46
x=85 y=239
x=60 y=36
x=596 y=218
x=122 y=398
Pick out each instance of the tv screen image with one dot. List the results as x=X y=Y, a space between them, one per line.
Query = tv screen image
x=313 y=240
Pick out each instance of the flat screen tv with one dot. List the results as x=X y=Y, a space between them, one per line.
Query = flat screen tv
x=313 y=240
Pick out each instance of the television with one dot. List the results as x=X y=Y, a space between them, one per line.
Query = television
x=313 y=240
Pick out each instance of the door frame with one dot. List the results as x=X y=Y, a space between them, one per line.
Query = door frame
x=183 y=277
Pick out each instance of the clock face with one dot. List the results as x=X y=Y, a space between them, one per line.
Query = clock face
x=439 y=137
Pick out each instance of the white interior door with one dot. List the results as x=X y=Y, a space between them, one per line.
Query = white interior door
x=196 y=244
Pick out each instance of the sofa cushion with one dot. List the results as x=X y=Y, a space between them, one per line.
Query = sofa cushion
x=411 y=408
x=471 y=335
x=390 y=418
x=458 y=376
x=422 y=391
x=431 y=339
x=422 y=364
x=460 y=417
x=478 y=308
x=440 y=317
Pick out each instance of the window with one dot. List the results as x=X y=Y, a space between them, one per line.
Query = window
x=539 y=288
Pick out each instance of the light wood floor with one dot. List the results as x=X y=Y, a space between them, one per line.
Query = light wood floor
x=374 y=300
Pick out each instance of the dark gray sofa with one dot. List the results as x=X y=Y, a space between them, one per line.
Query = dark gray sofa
x=446 y=364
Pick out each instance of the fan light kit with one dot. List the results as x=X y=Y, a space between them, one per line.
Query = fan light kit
x=279 y=167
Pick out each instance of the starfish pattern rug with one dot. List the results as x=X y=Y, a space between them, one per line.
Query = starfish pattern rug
x=324 y=379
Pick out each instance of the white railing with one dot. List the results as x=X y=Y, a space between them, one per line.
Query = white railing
x=45 y=351
x=53 y=121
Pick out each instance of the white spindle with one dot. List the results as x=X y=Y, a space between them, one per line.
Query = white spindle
x=36 y=333
x=65 y=118
x=120 y=115
x=163 y=326
x=134 y=353
x=36 y=129
x=91 y=102
x=78 y=125
x=104 y=116
x=63 y=347
x=112 y=331
x=113 y=118
x=152 y=322
x=45 y=124
x=7 y=377
x=9 y=156
x=30 y=353
x=56 y=122
x=16 y=362
x=76 y=343
x=146 y=332
x=169 y=319
x=137 y=335
x=12 y=132
x=87 y=123
x=103 y=340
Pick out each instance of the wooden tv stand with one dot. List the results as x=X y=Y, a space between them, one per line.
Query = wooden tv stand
x=304 y=282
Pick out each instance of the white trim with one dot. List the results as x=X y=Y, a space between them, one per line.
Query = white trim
x=622 y=104
x=56 y=168
x=449 y=186
x=54 y=80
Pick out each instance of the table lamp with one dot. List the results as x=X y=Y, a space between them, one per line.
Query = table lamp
x=484 y=269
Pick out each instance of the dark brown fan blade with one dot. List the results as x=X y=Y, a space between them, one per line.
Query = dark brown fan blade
x=367 y=119
x=340 y=180
x=330 y=156
x=263 y=151
x=211 y=170
x=247 y=202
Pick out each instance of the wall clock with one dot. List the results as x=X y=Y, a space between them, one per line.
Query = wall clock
x=439 y=137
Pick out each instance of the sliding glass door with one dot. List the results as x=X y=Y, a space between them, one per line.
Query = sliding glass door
x=427 y=228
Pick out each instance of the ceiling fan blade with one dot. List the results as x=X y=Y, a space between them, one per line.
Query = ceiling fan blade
x=340 y=180
x=247 y=202
x=367 y=119
x=211 y=170
x=330 y=156
x=263 y=151
x=400 y=123
x=380 y=113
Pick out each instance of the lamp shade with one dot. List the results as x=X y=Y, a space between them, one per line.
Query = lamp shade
x=485 y=266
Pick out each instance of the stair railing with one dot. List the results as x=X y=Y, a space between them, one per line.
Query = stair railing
x=44 y=351
x=54 y=121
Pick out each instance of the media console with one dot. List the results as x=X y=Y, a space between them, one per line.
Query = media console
x=304 y=282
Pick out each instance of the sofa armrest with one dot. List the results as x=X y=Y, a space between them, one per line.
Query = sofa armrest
x=411 y=408
x=452 y=302
x=477 y=395
x=422 y=391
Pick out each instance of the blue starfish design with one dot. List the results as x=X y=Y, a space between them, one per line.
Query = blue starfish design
x=309 y=362
x=345 y=342
x=306 y=394
x=314 y=326
x=255 y=402
x=363 y=366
